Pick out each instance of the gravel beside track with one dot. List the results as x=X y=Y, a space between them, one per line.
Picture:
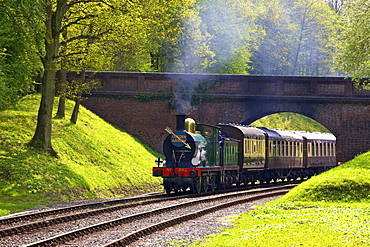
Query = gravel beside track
x=184 y=233
x=193 y=230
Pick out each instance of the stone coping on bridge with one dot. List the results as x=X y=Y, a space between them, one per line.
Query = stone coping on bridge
x=285 y=87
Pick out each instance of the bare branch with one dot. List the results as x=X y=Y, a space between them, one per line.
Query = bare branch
x=77 y=21
x=80 y=37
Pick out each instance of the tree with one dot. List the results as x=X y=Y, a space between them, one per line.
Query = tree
x=20 y=42
x=75 y=90
x=56 y=21
x=316 y=24
x=336 y=5
x=195 y=55
x=167 y=38
x=54 y=14
x=82 y=48
x=234 y=33
x=353 y=49
x=272 y=56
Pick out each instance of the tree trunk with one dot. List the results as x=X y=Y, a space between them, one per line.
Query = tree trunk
x=61 y=113
x=53 y=22
x=78 y=99
x=42 y=136
x=62 y=99
x=75 y=111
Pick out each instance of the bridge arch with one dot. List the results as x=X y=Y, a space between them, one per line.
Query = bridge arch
x=312 y=113
x=139 y=103
x=278 y=119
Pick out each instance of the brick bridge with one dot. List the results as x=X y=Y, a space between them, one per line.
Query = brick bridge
x=143 y=104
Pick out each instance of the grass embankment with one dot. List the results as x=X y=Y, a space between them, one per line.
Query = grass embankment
x=290 y=121
x=331 y=209
x=96 y=159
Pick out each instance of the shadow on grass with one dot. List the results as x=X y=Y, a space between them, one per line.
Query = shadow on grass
x=29 y=178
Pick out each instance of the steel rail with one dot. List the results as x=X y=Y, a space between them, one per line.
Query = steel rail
x=128 y=239
x=34 y=215
x=62 y=238
x=62 y=219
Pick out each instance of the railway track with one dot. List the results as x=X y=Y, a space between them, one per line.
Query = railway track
x=35 y=215
x=121 y=219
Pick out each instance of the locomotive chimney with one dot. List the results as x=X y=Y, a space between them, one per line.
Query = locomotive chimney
x=180 y=122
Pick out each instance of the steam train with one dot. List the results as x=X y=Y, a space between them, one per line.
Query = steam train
x=204 y=157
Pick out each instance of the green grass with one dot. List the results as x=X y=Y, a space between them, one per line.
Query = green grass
x=290 y=121
x=96 y=159
x=331 y=209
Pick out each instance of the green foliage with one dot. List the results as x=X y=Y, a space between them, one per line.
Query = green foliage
x=272 y=57
x=331 y=209
x=347 y=183
x=20 y=46
x=234 y=33
x=211 y=36
x=290 y=121
x=73 y=89
x=95 y=160
x=147 y=97
x=299 y=38
x=295 y=224
x=352 y=54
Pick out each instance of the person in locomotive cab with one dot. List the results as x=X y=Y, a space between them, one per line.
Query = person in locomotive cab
x=220 y=139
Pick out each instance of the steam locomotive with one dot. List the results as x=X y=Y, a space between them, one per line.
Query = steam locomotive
x=204 y=157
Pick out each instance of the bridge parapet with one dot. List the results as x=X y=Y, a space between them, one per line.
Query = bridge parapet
x=233 y=86
x=333 y=101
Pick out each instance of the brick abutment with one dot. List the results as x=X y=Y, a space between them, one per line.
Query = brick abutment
x=144 y=104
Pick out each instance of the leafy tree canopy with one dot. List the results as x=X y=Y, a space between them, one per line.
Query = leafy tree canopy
x=20 y=46
x=353 y=49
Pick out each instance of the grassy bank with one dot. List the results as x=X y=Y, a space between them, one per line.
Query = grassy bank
x=290 y=121
x=95 y=160
x=331 y=209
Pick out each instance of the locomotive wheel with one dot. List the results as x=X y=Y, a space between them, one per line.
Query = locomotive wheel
x=168 y=190
x=212 y=183
x=228 y=182
x=204 y=184
x=197 y=185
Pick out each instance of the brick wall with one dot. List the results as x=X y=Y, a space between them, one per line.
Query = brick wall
x=332 y=101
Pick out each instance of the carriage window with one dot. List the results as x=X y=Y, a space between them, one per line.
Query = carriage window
x=281 y=148
x=334 y=147
x=331 y=149
x=314 y=149
x=271 y=151
x=322 y=146
x=261 y=145
x=287 y=149
x=276 y=148
x=299 y=149
x=246 y=146
x=323 y=149
x=295 y=151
